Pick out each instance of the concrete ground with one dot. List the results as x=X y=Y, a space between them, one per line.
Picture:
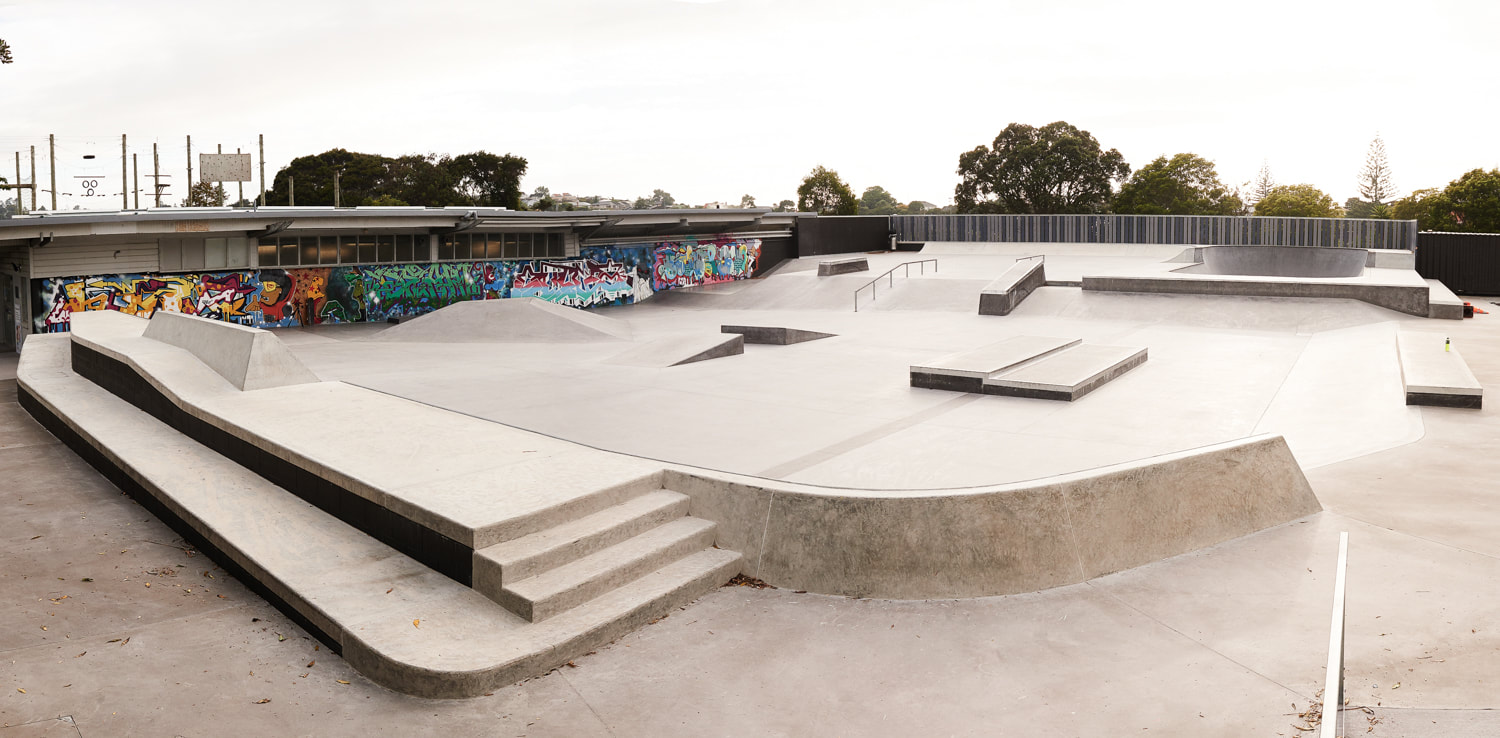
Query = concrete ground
x=1225 y=641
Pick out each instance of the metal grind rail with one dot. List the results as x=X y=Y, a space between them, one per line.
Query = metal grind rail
x=890 y=277
x=1333 y=684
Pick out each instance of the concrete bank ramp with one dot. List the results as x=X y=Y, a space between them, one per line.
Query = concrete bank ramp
x=250 y=358
x=683 y=349
x=514 y=320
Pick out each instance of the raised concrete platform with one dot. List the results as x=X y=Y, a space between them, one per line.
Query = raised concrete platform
x=515 y=320
x=831 y=267
x=1442 y=303
x=683 y=349
x=1007 y=291
x=774 y=335
x=966 y=371
x=250 y=358
x=1433 y=376
x=1067 y=375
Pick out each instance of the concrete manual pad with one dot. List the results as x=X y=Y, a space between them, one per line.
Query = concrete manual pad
x=250 y=358
x=1002 y=296
x=1067 y=375
x=515 y=320
x=831 y=267
x=679 y=350
x=1434 y=376
x=966 y=371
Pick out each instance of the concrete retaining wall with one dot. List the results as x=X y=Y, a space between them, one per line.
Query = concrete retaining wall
x=1000 y=540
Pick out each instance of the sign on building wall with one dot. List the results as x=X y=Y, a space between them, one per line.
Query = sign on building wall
x=224 y=167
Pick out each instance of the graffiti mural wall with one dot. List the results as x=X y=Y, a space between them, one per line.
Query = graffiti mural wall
x=269 y=298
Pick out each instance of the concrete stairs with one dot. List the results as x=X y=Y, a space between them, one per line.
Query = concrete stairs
x=565 y=579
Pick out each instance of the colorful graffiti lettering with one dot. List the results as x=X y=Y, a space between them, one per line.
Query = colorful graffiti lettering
x=691 y=263
x=269 y=298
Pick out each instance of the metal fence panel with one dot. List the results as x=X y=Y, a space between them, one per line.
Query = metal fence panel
x=1183 y=230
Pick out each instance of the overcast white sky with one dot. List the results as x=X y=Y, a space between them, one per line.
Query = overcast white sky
x=711 y=100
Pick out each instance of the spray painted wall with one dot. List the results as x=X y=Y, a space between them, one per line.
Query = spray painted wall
x=271 y=298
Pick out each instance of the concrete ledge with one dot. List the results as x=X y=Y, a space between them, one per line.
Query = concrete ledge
x=1005 y=293
x=831 y=267
x=1409 y=300
x=1003 y=539
x=983 y=362
x=1391 y=259
x=1442 y=303
x=1433 y=376
x=250 y=358
x=774 y=335
x=1067 y=375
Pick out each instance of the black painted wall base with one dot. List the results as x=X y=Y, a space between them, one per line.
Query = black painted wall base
x=147 y=499
x=927 y=380
x=1432 y=399
x=441 y=553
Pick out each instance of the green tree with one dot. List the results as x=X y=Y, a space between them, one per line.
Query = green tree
x=876 y=201
x=1375 y=177
x=1263 y=184
x=5 y=57
x=1053 y=169
x=1298 y=201
x=747 y=201
x=785 y=206
x=1186 y=184
x=362 y=177
x=659 y=199
x=414 y=179
x=1417 y=206
x=1357 y=208
x=822 y=192
x=205 y=195
x=488 y=180
x=1469 y=204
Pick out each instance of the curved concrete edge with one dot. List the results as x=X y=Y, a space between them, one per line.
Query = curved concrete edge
x=1005 y=539
x=250 y=358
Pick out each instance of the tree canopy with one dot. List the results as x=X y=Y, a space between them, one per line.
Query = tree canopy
x=1469 y=204
x=822 y=192
x=205 y=195
x=1263 y=184
x=1298 y=201
x=876 y=201
x=1417 y=206
x=5 y=55
x=1186 y=184
x=1056 y=168
x=658 y=199
x=479 y=178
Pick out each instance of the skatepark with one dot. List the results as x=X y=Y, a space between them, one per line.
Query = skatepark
x=1113 y=508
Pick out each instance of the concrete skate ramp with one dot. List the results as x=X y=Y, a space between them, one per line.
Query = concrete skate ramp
x=1284 y=261
x=1006 y=539
x=249 y=358
x=679 y=350
x=515 y=320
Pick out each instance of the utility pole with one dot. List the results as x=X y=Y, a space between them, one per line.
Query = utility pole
x=52 y=154
x=262 y=169
x=190 y=165
x=336 y=174
x=135 y=167
x=124 y=176
x=291 y=191
x=20 y=196
x=156 y=174
x=33 y=179
x=241 y=185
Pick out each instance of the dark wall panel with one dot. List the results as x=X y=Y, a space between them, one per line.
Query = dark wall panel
x=842 y=234
x=1468 y=263
x=1186 y=230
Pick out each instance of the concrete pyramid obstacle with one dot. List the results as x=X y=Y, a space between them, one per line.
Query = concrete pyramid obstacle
x=679 y=350
x=774 y=335
x=515 y=320
x=250 y=358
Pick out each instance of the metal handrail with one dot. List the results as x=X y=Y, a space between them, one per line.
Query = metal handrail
x=891 y=278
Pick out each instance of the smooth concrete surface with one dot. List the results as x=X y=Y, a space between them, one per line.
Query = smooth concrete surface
x=1396 y=295
x=1391 y=259
x=670 y=351
x=1002 y=296
x=250 y=358
x=1434 y=371
x=1001 y=355
x=1284 y=261
x=520 y=320
x=1442 y=303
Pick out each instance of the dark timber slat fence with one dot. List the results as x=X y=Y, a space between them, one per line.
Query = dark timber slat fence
x=1184 y=230
x=1467 y=263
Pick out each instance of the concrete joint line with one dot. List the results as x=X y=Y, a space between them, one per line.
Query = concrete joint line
x=1072 y=534
x=585 y=701
x=764 y=531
